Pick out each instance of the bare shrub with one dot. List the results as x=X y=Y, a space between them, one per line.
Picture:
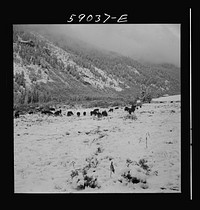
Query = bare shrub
x=82 y=179
x=131 y=176
x=143 y=164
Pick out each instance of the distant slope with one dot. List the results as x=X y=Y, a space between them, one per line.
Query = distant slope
x=48 y=67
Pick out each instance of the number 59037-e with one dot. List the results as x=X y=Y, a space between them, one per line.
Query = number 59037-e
x=96 y=18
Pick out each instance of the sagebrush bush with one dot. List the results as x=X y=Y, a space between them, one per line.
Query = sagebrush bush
x=143 y=164
x=133 y=177
x=82 y=179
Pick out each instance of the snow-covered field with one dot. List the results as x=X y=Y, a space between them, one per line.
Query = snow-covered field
x=174 y=98
x=74 y=154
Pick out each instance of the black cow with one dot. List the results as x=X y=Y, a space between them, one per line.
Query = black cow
x=99 y=114
x=30 y=112
x=84 y=113
x=94 y=112
x=133 y=106
x=126 y=108
x=110 y=110
x=78 y=114
x=52 y=109
x=69 y=113
x=132 y=109
x=47 y=112
x=117 y=107
x=17 y=114
x=104 y=113
x=57 y=113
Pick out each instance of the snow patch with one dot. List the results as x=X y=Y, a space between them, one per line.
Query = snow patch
x=166 y=82
x=89 y=77
x=18 y=68
x=176 y=98
x=133 y=69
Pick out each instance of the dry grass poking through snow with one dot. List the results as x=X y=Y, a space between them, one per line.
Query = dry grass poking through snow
x=74 y=154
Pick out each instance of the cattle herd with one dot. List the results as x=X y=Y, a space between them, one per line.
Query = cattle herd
x=97 y=113
x=51 y=111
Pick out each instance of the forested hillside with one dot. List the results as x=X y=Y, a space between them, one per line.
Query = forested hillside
x=52 y=68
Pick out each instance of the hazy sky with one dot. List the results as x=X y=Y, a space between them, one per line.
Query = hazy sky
x=148 y=42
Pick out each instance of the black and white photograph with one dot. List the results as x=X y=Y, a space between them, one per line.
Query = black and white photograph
x=97 y=108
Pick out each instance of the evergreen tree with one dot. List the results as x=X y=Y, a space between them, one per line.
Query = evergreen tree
x=19 y=79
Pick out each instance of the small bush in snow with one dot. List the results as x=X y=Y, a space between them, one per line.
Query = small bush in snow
x=81 y=179
x=133 y=173
x=74 y=173
x=142 y=163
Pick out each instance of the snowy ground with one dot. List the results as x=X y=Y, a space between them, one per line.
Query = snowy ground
x=175 y=98
x=73 y=154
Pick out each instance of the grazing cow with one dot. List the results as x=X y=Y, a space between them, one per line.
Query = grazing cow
x=47 y=112
x=84 y=113
x=17 y=114
x=104 y=113
x=99 y=114
x=117 y=107
x=126 y=108
x=94 y=112
x=43 y=111
x=69 y=113
x=110 y=110
x=78 y=114
x=57 y=113
x=132 y=109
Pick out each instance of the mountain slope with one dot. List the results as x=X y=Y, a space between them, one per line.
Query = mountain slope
x=49 y=67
